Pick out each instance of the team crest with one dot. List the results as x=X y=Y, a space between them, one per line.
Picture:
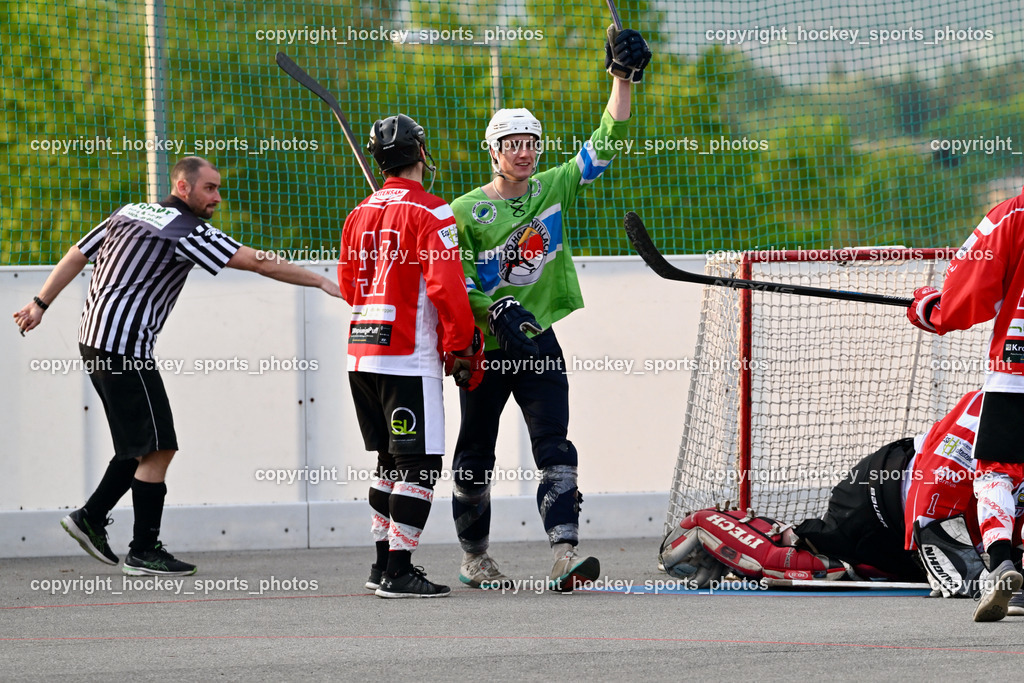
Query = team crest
x=521 y=259
x=484 y=212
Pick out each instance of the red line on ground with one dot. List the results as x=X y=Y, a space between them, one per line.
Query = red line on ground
x=512 y=638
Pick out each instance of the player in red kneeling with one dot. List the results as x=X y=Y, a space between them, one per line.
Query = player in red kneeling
x=985 y=280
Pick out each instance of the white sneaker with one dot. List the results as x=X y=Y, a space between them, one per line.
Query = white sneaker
x=569 y=570
x=998 y=587
x=479 y=570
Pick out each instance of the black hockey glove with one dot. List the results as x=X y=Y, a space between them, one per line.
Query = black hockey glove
x=509 y=322
x=626 y=54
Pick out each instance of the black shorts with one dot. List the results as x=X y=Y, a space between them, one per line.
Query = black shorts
x=402 y=415
x=1000 y=428
x=138 y=412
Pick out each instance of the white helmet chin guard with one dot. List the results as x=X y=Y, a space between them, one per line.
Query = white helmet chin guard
x=510 y=122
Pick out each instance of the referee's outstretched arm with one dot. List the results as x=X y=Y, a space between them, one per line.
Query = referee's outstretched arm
x=266 y=263
x=246 y=258
x=67 y=269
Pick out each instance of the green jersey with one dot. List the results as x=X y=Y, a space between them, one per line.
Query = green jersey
x=520 y=249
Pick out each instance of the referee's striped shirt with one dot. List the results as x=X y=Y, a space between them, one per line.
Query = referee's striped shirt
x=143 y=253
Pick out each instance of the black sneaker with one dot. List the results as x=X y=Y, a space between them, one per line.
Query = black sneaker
x=412 y=584
x=93 y=539
x=155 y=562
x=373 y=583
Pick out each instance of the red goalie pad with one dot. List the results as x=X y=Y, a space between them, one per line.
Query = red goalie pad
x=754 y=547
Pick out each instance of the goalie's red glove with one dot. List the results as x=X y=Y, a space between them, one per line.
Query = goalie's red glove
x=468 y=370
x=626 y=54
x=925 y=300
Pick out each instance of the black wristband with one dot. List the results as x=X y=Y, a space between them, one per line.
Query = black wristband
x=40 y=303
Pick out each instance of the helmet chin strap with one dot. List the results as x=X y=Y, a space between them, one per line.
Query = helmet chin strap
x=432 y=167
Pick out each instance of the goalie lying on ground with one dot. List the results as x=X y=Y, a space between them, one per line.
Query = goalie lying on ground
x=907 y=508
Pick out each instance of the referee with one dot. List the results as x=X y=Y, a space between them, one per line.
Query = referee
x=143 y=253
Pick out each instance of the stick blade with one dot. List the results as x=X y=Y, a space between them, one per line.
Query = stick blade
x=641 y=241
x=307 y=81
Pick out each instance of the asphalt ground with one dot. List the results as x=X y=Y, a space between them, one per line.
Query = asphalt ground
x=304 y=615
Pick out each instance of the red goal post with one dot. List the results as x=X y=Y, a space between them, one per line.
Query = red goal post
x=790 y=391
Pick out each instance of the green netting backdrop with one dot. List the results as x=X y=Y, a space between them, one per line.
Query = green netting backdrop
x=759 y=125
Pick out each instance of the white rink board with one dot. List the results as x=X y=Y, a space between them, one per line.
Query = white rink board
x=233 y=423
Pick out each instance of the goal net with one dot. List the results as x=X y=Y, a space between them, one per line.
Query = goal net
x=790 y=391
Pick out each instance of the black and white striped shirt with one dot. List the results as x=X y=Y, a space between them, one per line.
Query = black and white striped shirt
x=143 y=253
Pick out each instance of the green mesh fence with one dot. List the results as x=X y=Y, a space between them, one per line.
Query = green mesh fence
x=759 y=125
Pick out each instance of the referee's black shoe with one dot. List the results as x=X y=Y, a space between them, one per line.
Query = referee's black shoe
x=155 y=562
x=412 y=584
x=92 y=537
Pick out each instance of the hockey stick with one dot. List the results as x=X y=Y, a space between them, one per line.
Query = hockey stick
x=637 y=234
x=846 y=585
x=296 y=72
x=615 y=15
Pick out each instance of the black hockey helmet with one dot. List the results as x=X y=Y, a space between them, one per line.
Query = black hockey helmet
x=395 y=142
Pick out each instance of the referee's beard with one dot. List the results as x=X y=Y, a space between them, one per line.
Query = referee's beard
x=201 y=209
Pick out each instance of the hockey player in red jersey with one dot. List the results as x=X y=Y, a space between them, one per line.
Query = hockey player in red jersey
x=985 y=280
x=400 y=270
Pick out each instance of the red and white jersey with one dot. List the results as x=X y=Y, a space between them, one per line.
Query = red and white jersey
x=984 y=280
x=401 y=271
x=941 y=474
x=941 y=481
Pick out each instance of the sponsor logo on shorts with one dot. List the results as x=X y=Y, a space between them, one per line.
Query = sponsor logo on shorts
x=403 y=422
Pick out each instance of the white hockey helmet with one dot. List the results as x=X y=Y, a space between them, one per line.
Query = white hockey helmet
x=510 y=122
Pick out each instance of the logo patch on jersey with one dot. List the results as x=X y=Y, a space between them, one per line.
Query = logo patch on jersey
x=449 y=235
x=385 y=312
x=390 y=194
x=211 y=231
x=1015 y=328
x=956 y=449
x=947 y=475
x=536 y=187
x=1013 y=351
x=154 y=214
x=369 y=333
x=403 y=422
x=484 y=212
x=521 y=259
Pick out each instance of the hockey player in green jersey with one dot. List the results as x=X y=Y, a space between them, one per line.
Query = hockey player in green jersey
x=521 y=279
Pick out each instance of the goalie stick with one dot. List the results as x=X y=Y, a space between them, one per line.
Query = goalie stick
x=641 y=241
x=296 y=72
